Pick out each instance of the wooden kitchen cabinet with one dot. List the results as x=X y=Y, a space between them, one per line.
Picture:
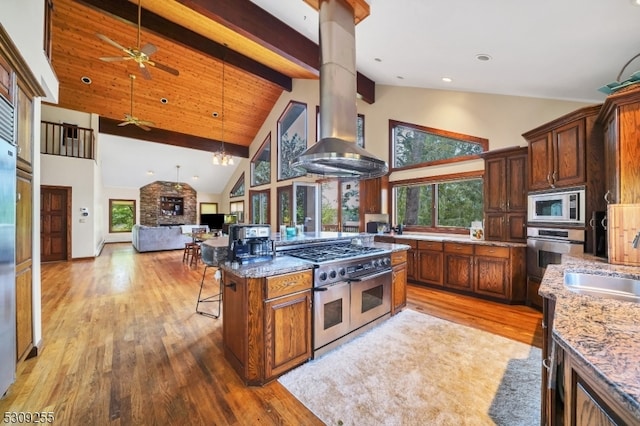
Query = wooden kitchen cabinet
x=586 y=401
x=398 y=281
x=620 y=117
x=430 y=262
x=491 y=271
x=558 y=150
x=24 y=263
x=458 y=266
x=266 y=325
x=505 y=195
x=24 y=111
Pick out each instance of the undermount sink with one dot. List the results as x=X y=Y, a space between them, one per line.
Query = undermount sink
x=610 y=287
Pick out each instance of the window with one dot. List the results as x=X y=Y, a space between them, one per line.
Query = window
x=237 y=208
x=122 y=215
x=208 y=208
x=340 y=205
x=261 y=164
x=48 y=15
x=359 y=128
x=417 y=146
x=285 y=205
x=259 y=206
x=444 y=203
x=292 y=139
x=238 y=188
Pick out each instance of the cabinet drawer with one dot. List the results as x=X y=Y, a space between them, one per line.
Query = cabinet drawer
x=281 y=285
x=492 y=251
x=398 y=257
x=412 y=243
x=458 y=248
x=430 y=245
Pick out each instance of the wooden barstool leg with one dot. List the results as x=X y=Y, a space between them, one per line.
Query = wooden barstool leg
x=216 y=298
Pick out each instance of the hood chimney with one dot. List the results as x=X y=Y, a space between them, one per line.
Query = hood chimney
x=337 y=154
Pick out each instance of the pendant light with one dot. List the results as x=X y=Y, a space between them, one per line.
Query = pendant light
x=222 y=157
x=178 y=185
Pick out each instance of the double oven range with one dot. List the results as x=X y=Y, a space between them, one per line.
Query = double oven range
x=352 y=290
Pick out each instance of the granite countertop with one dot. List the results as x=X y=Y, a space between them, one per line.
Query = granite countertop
x=602 y=334
x=283 y=264
x=454 y=238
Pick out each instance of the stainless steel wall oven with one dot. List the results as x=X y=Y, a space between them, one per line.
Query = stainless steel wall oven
x=545 y=246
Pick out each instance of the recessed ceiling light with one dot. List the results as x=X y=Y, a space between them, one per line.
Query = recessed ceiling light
x=196 y=177
x=399 y=77
x=214 y=114
x=85 y=79
x=377 y=59
x=483 y=57
x=447 y=79
x=164 y=100
x=150 y=172
x=635 y=2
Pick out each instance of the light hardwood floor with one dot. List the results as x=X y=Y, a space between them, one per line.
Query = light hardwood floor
x=123 y=345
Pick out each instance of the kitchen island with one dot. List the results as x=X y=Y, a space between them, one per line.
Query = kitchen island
x=269 y=309
x=592 y=349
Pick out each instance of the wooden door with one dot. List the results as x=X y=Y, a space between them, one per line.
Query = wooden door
x=540 y=157
x=494 y=190
x=516 y=229
x=492 y=276
x=287 y=340
x=494 y=226
x=569 y=154
x=55 y=214
x=516 y=185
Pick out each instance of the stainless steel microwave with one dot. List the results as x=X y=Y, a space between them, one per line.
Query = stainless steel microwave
x=565 y=206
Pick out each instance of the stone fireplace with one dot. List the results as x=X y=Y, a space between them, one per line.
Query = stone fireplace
x=151 y=200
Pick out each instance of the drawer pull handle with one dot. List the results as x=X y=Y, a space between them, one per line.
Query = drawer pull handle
x=546 y=363
x=232 y=286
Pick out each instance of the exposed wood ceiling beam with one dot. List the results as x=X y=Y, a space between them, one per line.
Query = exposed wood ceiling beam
x=126 y=11
x=110 y=127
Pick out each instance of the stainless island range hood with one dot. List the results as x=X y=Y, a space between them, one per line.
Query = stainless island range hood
x=336 y=154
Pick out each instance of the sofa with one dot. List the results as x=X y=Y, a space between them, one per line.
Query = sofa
x=156 y=238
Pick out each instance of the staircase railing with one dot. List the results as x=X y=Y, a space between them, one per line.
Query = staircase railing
x=67 y=140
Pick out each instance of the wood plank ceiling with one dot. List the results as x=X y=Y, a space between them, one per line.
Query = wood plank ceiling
x=261 y=57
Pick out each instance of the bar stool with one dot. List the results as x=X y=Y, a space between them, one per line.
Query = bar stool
x=211 y=257
x=189 y=250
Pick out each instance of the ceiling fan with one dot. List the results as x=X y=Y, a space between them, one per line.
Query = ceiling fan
x=141 y=55
x=131 y=119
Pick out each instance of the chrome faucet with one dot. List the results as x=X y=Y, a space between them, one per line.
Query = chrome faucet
x=636 y=241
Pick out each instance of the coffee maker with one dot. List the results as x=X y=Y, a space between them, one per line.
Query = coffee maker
x=250 y=243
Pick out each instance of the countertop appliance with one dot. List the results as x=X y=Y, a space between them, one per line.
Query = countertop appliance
x=377 y=227
x=7 y=264
x=352 y=290
x=250 y=243
x=566 y=206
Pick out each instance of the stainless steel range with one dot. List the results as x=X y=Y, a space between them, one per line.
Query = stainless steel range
x=352 y=291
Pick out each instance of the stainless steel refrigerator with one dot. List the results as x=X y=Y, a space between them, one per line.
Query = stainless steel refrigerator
x=7 y=265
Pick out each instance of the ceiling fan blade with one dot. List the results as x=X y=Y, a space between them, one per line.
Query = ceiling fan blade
x=164 y=68
x=124 y=123
x=149 y=49
x=146 y=123
x=113 y=43
x=145 y=71
x=115 y=58
x=143 y=127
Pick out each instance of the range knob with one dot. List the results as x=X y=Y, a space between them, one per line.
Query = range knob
x=322 y=276
x=332 y=274
x=376 y=263
x=342 y=272
x=386 y=261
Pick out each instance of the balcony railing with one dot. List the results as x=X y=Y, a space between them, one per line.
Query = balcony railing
x=67 y=140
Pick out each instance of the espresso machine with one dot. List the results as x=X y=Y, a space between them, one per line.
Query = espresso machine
x=250 y=243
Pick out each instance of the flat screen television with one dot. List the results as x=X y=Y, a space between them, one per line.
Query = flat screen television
x=217 y=221
x=212 y=220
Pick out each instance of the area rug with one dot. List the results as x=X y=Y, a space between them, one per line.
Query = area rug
x=415 y=369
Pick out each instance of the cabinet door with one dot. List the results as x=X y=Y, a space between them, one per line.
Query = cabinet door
x=540 y=162
x=399 y=288
x=24 y=325
x=458 y=271
x=516 y=183
x=516 y=229
x=234 y=330
x=494 y=226
x=494 y=190
x=430 y=267
x=611 y=159
x=24 y=219
x=25 y=130
x=411 y=264
x=6 y=80
x=370 y=201
x=492 y=277
x=287 y=340
x=629 y=149
x=569 y=154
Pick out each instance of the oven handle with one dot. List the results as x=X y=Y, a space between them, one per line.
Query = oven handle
x=320 y=289
x=370 y=276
